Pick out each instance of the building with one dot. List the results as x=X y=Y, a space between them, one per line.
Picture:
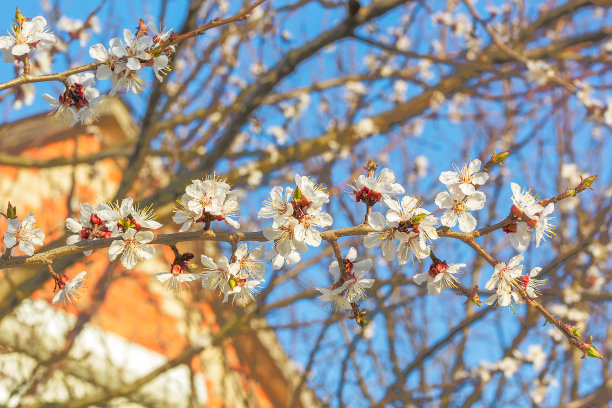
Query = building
x=125 y=325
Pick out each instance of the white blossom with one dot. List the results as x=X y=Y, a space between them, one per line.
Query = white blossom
x=521 y=237
x=543 y=226
x=335 y=297
x=109 y=59
x=68 y=290
x=382 y=237
x=176 y=280
x=354 y=274
x=184 y=215
x=24 y=234
x=456 y=204
x=315 y=193
x=116 y=213
x=133 y=247
x=411 y=243
x=465 y=178
x=136 y=49
x=217 y=275
x=305 y=230
x=375 y=187
x=539 y=72
x=248 y=261
x=284 y=237
x=531 y=284
x=277 y=207
x=278 y=260
x=501 y=281
x=439 y=278
x=245 y=293
x=413 y=222
x=524 y=201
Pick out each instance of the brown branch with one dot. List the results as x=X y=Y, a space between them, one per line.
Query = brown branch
x=26 y=78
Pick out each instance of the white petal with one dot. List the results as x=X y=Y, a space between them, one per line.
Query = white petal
x=334 y=270
x=372 y=240
x=352 y=254
x=388 y=249
x=474 y=166
x=146 y=252
x=20 y=49
x=144 y=237
x=476 y=201
x=129 y=259
x=133 y=64
x=241 y=251
x=449 y=218
x=9 y=240
x=515 y=261
x=480 y=178
x=444 y=200
x=376 y=220
x=534 y=272
x=362 y=266
x=73 y=239
x=449 y=178
x=115 y=249
x=98 y=52
x=467 y=188
x=467 y=222
x=419 y=278
x=164 y=276
x=433 y=289
x=73 y=225
x=27 y=247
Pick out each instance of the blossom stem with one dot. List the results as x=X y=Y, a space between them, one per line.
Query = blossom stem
x=336 y=248
x=367 y=214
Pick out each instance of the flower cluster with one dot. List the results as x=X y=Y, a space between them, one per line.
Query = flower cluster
x=121 y=63
x=406 y=230
x=412 y=226
x=350 y=283
x=123 y=60
x=89 y=225
x=296 y=216
x=507 y=275
x=113 y=220
x=532 y=215
x=238 y=278
x=205 y=201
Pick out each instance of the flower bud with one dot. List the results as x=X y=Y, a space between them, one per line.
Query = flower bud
x=370 y=167
x=593 y=352
x=586 y=183
x=19 y=18
x=498 y=158
x=475 y=299
x=297 y=195
x=11 y=211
